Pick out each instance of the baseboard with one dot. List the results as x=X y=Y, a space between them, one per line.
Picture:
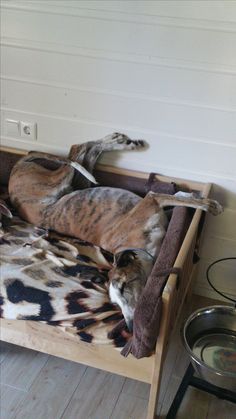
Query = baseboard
x=208 y=292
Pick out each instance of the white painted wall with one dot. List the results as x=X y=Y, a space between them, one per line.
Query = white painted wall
x=160 y=70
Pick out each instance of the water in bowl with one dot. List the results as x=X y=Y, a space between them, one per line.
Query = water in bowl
x=217 y=350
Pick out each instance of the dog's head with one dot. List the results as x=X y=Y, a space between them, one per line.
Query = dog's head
x=127 y=280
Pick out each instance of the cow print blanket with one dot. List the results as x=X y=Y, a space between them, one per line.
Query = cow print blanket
x=57 y=280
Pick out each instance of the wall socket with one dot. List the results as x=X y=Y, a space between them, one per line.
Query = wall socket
x=28 y=130
x=21 y=129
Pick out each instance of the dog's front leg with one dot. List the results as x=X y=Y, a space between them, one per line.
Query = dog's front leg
x=113 y=142
x=88 y=153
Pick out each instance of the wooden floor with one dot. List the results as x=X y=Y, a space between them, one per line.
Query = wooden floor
x=38 y=386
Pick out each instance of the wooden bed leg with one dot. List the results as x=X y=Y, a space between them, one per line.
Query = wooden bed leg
x=154 y=391
x=161 y=349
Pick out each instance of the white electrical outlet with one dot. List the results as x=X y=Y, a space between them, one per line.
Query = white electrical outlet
x=28 y=130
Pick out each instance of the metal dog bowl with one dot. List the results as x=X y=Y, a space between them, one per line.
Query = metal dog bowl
x=209 y=336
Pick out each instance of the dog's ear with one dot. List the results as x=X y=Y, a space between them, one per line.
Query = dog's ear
x=4 y=210
x=124 y=258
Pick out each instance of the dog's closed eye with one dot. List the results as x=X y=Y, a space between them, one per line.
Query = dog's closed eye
x=124 y=258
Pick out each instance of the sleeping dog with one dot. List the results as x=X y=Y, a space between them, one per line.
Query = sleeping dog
x=55 y=193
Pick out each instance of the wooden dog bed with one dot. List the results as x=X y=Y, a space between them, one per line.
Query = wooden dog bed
x=53 y=341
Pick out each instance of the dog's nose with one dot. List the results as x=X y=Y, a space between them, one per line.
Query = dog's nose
x=130 y=325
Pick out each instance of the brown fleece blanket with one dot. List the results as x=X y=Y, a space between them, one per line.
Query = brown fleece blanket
x=147 y=316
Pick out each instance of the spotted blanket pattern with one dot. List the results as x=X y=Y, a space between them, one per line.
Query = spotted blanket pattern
x=57 y=280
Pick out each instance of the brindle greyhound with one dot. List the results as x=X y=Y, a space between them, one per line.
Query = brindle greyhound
x=115 y=219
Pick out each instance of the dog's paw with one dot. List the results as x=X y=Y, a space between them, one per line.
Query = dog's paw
x=122 y=142
x=214 y=207
x=136 y=144
x=188 y=195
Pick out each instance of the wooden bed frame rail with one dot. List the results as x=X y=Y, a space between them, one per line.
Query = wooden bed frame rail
x=51 y=340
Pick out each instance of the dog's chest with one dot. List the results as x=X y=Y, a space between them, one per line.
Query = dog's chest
x=155 y=230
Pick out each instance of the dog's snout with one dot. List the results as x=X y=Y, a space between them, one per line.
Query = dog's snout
x=118 y=284
x=130 y=325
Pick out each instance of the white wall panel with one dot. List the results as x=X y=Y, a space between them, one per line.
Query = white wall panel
x=213 y=158
x=185 y=44
x=160 y=70
x=222 y=277
x=190 y=86
x=192 y=12
x=139 y=113
x=225 y=226
x=193 y=9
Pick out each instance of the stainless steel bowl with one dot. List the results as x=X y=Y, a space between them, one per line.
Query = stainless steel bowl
x=209 y=336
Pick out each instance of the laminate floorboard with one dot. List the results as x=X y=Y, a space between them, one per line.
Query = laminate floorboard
x=9 y=401
x=96 y=396
x=21 y=366
x=51 y=392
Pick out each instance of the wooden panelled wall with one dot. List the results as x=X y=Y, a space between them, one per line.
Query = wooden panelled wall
x=160 y=70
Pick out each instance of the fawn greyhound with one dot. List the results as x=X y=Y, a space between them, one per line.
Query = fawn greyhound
x=41 y=188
